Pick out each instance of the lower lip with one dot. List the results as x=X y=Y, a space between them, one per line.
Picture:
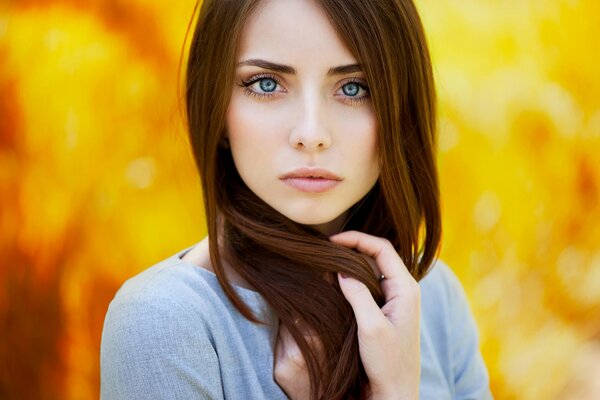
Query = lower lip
x=311 y=185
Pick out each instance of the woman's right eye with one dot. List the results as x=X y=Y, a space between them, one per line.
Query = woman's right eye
x=267 y=85
x=261 y=86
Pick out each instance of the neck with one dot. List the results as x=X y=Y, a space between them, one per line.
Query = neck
x=332 y=227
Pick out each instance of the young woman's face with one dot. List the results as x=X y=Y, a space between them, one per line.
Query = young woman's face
x=301 y=101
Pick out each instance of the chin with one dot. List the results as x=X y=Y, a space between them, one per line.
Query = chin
x=313 y=218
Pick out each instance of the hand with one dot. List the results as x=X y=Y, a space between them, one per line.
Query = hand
x=388 y=338
x=290 y=369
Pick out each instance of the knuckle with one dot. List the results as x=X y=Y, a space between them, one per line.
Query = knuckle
x=386 y=242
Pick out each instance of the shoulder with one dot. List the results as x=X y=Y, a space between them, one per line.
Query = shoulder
x=170 y=279
x=167 y=294
x=174 y=285
x=185 y=295
x=168 y=287
x=150 y=325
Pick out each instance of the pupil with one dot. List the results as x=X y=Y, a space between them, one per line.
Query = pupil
x=350 y=89
x=267 y=85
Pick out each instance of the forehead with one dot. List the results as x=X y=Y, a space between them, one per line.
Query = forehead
x=294 y=32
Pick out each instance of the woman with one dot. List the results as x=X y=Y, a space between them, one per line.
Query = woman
x=313 y=127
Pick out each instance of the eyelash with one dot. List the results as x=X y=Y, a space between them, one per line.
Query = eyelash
x=245 y=84
x=256 y=78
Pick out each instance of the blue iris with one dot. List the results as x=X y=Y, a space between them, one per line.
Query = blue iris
x=267 y=85
x=351 y=89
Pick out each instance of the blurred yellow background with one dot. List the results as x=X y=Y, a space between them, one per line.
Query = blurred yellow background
x=98 y=182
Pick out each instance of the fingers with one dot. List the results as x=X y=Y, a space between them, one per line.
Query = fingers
x=371 y=261
x=399 y=287
x=388 y=337
x=388 y=261
x=365 y=308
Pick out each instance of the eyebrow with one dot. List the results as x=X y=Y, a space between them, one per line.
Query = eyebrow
x=286 y=69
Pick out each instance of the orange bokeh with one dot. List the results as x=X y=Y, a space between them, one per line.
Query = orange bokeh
x=98 y=182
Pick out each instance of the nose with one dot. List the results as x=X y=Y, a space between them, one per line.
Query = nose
x=311 y=131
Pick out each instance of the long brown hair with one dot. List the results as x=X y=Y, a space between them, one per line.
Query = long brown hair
x=287 y=262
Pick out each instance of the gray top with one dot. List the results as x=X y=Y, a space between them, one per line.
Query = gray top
x=171 y=333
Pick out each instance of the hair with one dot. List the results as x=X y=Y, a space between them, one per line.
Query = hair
x=294 y=266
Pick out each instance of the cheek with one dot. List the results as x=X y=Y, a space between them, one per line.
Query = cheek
x=247 y=116
x=255 y=134
x=245 y=128
x=359 y=134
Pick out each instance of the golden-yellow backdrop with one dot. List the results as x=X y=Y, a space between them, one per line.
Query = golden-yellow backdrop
x=98 y=183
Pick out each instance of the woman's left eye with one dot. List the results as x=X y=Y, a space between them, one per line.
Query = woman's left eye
x=354 y=92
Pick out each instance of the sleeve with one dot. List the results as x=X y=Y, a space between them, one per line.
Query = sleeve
x=156 y=349
x=471 y=379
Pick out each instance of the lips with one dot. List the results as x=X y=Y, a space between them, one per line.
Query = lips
x=314 y=173
x=311 y=180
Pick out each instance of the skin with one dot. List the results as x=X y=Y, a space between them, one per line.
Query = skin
x=280 y=120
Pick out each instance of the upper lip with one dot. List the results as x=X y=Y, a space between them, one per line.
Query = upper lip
x=311 y=173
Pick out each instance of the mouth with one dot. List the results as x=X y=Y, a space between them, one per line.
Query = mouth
x=311 y=173
x=311 y=180
x=311 y=185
